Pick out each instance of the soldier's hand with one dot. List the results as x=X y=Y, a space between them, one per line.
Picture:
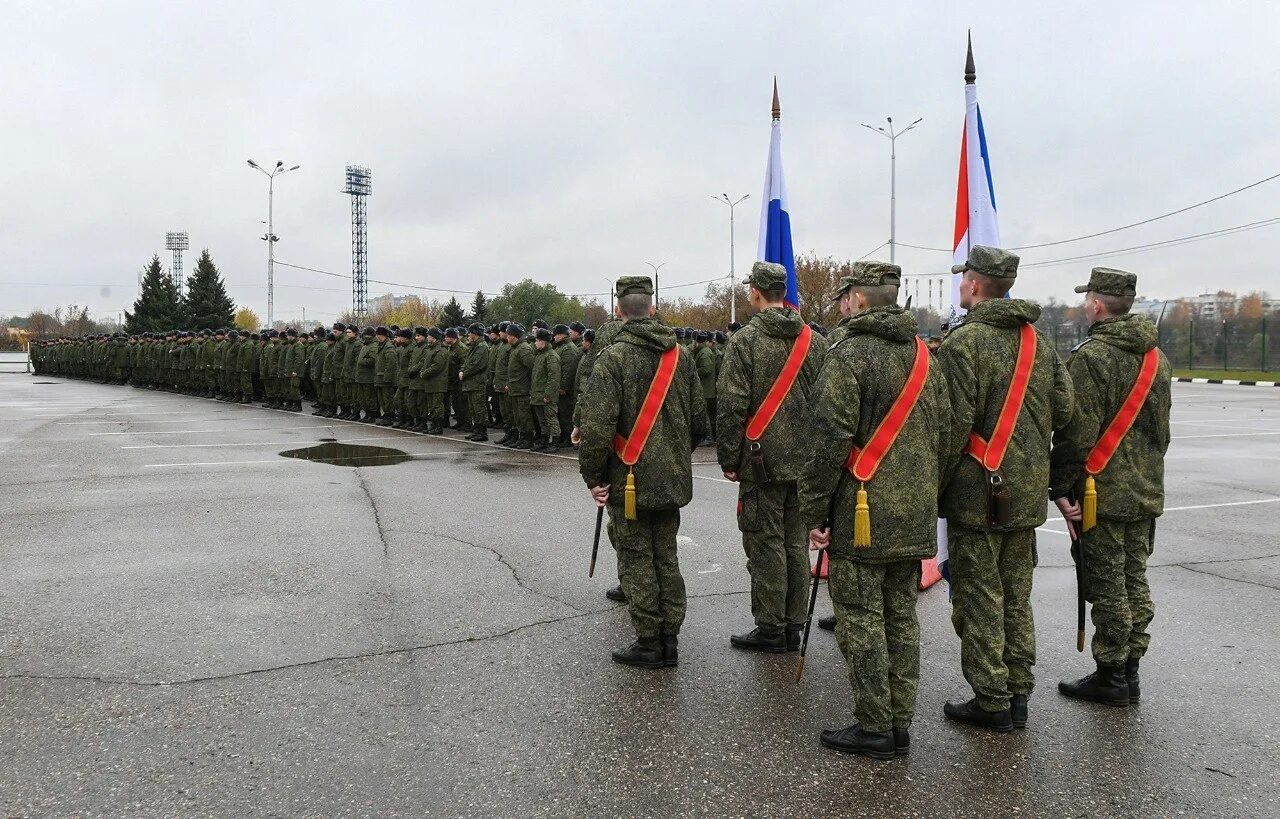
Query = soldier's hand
x=575 y=437
x=731 y=476
x=819 y=539
x=1071 y=513
x=600 y=494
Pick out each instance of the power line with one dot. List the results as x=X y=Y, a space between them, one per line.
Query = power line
x=1217 y=198
x=1181 y=240
x=877 y=247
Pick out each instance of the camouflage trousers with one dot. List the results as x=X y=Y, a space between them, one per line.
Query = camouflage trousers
x=564 y=414
x=1116 y=555
x=991 y=611
x=650 y=569
x=366 y=398
x=548 y=417
x=776 y=544
x=459 y=404
x=879 y=635
x=478 y=408
x=386 y=398
x=434 y=407
x=522 y=415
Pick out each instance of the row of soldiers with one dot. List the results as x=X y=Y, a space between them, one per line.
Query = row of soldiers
x=422 y=379
x=857 y=444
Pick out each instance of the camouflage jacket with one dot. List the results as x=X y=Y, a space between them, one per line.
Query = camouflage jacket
x=435 y=368
x=350 y=361
x=978 y=356
x=605 y=335
x=415 y=356
x=705 y=357
x=457 y=358
x=475 y=369
x=570 y=357
x=317 y=352
x=755 y=356
x=610 y=403
x=386 y=364
x=837 y=334
x=544 y=380
x=520 y=369
x=864 y=374
x=1103 y=370
x=366 y=361
x=499 y=354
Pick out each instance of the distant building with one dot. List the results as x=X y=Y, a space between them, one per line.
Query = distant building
x=389 y=302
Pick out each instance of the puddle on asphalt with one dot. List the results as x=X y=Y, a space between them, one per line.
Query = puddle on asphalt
x=349 y=455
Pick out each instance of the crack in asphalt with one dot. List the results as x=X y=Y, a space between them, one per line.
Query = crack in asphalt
x=390 y=652
x=1191 y=568
x=501 y=558
x=377 y=518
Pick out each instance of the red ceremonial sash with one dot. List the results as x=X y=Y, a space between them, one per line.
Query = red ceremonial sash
x=1107 y=445
x=991 y=453
x=629 y=448
x=781 y=386
x=863 y=463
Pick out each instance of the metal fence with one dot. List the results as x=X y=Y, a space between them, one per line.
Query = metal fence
x=1203 y=344
x=14 y=362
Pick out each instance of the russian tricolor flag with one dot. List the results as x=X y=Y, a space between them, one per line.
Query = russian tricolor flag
x=775 y=216
x=976 y=222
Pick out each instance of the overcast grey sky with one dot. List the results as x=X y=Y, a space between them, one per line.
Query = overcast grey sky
x=571 y=142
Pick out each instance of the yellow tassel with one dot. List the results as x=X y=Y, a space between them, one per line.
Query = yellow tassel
x=862 y=520
x=1090 y=512
x=629 y=497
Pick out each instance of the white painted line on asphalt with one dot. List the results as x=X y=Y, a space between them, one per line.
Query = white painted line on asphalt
x=267 y=443
x=411 y=456
x=131 y=421
x=203 y=431
x=1224 y=435
x=1220 y=505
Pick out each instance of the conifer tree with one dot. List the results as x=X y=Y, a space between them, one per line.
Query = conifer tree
x=158 y=309
x=206 y=304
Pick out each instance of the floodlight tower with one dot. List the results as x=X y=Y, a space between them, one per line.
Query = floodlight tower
x=359 y=185
x=177 y=242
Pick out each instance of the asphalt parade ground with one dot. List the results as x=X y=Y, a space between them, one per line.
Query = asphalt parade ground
x=192 y=624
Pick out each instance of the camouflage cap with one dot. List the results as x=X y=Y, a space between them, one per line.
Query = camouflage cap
x=767 y=276
x=868 y=274
x=990 y=261
x=633 y=286
x=1111 y=282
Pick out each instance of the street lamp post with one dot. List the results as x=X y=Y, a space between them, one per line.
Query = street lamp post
x=892 y=136
x=733 y=293
x=271 y=238
x=656 y=268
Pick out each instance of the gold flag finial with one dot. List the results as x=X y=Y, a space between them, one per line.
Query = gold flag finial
x=777 y=106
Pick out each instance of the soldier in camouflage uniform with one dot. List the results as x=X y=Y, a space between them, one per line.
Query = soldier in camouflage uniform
x=456 y=404
x=1130 y=488
x=708 y=362
x=519 y=376
x=386 y=365
x=499 y=360
x=991 y=563
x=773 y=534
x=570 y=355
x=874 y=588
x=663 y=476
x=544 y=391
x=435 y=380
x=474 y=376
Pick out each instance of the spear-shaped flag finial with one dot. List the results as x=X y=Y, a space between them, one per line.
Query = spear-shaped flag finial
x=970 y=72
x=777 y=106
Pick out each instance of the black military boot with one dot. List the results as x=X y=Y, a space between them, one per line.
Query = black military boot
x=901 y=741
x=480 y=434
x=384 y=421
x=854 y=740
x=827 y=623
x=1107 y=685
x=1018 y=710
x=795 y=635
x=970 y=713
x=522 y=443
x=670 y=649
x=616 y=594
x=505 y=439
x=1131 y=677
x=758 y=640
x=646 y=653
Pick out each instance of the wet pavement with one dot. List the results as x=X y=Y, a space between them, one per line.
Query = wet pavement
x=191 y=623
